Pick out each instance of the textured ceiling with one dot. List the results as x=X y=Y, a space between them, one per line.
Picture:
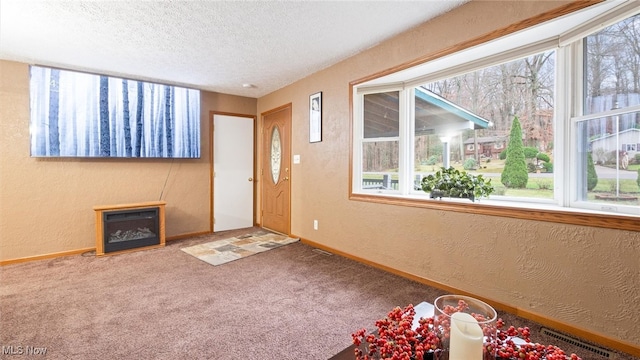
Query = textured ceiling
x=209 y=45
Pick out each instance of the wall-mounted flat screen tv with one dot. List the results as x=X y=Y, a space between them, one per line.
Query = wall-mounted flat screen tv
x=75 y=114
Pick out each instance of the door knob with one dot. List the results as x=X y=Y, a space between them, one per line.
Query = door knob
x=250 y=179
x=286 y=178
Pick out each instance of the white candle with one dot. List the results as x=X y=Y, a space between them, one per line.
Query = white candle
x=466 y=338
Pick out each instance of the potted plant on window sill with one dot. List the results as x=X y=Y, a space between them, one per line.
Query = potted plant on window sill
x=456 y=184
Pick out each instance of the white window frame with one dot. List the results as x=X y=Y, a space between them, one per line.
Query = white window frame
x=359 y=140
x=567 y=42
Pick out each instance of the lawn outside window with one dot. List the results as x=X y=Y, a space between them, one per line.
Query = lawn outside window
x=570 y=90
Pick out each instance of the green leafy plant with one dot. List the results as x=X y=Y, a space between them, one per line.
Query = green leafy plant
x=543 y=157
x=433 y=159
x=470 y=164
x=592 y=176
x=530 y=152
x=515 y=175
x=455 y=183
x=545 y=185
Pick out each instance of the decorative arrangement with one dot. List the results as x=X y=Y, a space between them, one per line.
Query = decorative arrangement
x=455 y=183
x=396 y=337
x=463 y=325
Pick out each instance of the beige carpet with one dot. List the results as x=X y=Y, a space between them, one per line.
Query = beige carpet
x=223 y=251
x=291 y=303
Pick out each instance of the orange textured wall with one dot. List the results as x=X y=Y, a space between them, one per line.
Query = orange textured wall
x=582 y=276
x=46 y=205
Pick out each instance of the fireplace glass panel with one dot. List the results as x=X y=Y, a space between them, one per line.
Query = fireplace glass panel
x=130 y=229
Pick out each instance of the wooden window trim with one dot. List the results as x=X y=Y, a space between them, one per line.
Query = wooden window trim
x=573 y=217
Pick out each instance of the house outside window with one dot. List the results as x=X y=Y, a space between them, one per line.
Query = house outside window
x=567 y=130
x=381 y=140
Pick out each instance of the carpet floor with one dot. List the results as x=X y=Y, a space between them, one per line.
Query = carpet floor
x=291 y=302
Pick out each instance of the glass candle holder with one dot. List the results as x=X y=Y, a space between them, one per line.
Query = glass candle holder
x=466 y=328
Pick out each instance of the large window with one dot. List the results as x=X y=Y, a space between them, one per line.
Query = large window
x=520 y=90
x=608 y=125
x=569 y=89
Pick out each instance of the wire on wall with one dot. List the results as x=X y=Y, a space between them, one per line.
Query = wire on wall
x=166 y=180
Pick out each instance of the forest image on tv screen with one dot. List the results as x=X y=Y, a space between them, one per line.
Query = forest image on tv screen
x=76 y=114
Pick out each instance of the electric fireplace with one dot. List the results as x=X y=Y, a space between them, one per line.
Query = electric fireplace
x=129 y=227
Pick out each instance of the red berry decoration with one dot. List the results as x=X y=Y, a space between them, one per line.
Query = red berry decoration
x=396 y=340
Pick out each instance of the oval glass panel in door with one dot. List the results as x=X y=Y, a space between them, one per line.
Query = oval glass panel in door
x=276 y=148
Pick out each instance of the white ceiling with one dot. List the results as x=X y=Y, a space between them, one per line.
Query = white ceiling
x=209 y=45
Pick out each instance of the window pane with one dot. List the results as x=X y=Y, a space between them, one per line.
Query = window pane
x=380 y=165
x=381 y=115
x=380 y=156
x=428 y=152
x=522 y=89
x=608 y=169
x=612 y=67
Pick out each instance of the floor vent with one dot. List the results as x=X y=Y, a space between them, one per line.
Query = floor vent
x=594 y=349
x=322 y=252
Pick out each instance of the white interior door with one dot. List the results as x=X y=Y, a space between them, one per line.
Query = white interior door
x=233 y=178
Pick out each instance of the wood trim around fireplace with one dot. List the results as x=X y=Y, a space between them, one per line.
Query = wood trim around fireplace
x=100 y=210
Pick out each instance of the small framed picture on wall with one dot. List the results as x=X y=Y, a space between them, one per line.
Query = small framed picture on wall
x=315 y=117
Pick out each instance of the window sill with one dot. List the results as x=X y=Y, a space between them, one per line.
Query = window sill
x=525 y=211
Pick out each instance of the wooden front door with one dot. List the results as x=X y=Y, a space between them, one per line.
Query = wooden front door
x=276 y=166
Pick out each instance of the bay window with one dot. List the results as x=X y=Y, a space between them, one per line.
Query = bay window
x=573 y=86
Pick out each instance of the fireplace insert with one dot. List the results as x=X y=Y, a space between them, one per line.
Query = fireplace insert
x=129 y=229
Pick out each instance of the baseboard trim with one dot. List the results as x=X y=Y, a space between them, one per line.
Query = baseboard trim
x=82 y=251
x=594 y=337
x=46 y=256
x=189 y=235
